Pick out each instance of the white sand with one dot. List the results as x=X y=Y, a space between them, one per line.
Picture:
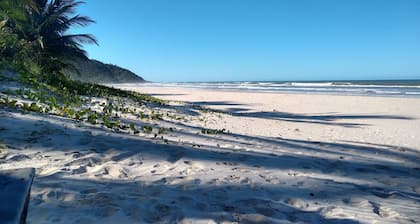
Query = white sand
x=286 y=158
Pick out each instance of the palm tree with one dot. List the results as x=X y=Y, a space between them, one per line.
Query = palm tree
x=14 y=13
x=46 y=23
x=50 y=30
x=16 y=52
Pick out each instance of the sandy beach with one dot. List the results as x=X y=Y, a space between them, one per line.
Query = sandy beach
x=378 y=120
x=225 y=157
x=202 y=112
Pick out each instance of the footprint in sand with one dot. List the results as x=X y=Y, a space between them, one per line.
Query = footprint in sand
x=297 y=203
x=246 y=180
x=358 y=202
x=387 y=213
x=80 y=170
x=335 y=212
x=115 y=171
x=89 y=191
x=99 y=199
x=175 y=155
x=135 y=213
x=232 y=179
x=382 y=211
x=162 y=213
x=270 y=179
x=82 y=165
x=195 y=165
x=186 y=172
x=261 y=207
x=91 y=161
x=106 y=211
x=18 y=158
x=58 y=195
x=267 y=211
x=251 y=218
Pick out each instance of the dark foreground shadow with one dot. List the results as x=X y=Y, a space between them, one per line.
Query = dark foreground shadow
x=159 y=201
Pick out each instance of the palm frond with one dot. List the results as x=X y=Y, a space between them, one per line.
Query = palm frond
x=45 y=24
x=79 y=38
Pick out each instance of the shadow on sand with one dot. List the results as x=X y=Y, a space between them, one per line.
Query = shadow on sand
x=163 y=200
x=324 y=119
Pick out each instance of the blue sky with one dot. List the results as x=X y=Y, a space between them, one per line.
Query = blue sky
x=249 y=40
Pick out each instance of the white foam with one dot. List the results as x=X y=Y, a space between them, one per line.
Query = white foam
x=316 y=87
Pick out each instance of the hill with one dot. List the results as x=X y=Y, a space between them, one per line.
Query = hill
x=94 y=71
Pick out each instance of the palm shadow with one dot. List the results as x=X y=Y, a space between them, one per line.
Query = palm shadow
x=324 y=119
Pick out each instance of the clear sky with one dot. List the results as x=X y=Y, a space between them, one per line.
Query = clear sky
x=250 y=40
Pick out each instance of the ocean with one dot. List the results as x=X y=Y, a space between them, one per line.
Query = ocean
x=406 y=88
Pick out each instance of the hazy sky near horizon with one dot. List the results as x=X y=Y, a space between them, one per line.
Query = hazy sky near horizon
x=250 y=40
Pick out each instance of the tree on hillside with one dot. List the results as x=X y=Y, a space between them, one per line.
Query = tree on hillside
x=43 y=25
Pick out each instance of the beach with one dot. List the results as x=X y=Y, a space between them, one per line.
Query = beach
x=231 y=112
x=363 y=119
x=225 y=156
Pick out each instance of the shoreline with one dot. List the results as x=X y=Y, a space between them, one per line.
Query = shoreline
x=328 y=93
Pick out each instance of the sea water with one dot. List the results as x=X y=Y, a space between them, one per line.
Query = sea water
x=406 y=88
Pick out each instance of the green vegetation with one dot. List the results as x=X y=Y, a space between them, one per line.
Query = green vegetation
x=134 y=129
x=9 y=103
x=93 y=71
x=148 y=129
x=36 y=45
x=35 y=42
x=155 y=116
x=32 y=107
x=213 y=131
x=47 y=68
x=161 y=131
x=34 y=36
